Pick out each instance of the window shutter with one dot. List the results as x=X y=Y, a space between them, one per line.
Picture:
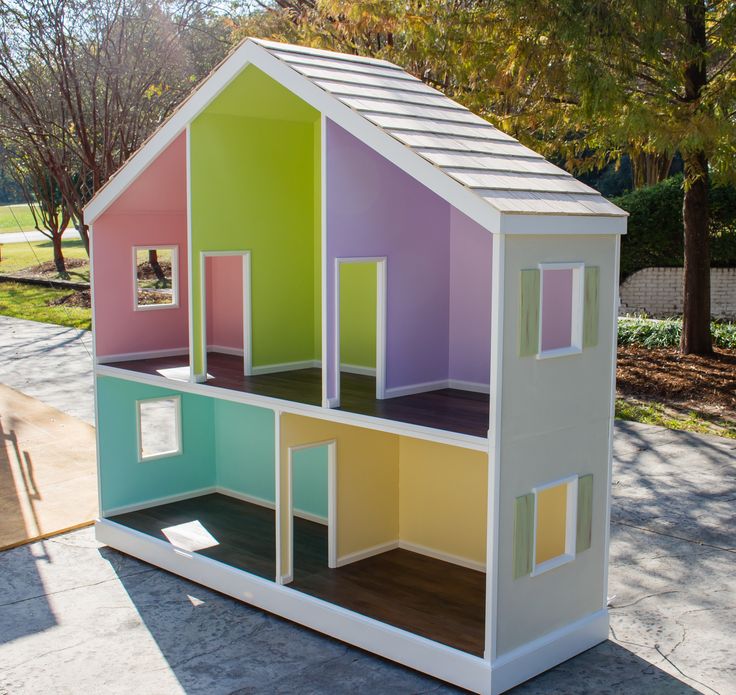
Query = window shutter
x=529 y=319
x=585 y=513
x=523 y=535
x=591 y=290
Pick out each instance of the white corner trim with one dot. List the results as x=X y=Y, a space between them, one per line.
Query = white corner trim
x=445 y=557
x=366 y=553
x=143 y=355
x=531 y=659
x=435 y=659
x=411 y=389
x=285 y=367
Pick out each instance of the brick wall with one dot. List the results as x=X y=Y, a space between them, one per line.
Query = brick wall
x=658 y=292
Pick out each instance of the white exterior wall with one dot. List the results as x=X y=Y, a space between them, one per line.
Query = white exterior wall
x=555 y=419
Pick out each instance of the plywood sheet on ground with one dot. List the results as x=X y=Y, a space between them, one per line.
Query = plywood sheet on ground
x=48 y=478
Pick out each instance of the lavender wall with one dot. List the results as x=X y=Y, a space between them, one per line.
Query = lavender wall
x=375 y=209
x=471 y=252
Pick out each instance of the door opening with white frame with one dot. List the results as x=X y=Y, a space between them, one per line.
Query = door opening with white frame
x=312 y=509
x=360 y=321
x=226 y=306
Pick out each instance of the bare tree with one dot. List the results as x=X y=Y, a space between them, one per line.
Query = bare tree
x=94 y=78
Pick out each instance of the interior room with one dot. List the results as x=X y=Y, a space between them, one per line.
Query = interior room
x=139 y=245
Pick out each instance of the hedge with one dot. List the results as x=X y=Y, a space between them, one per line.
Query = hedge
x=651 y=333
x=655 y=232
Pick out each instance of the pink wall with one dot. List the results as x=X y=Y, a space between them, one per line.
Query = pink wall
x=471 y=252
x=224 y=288
x=556 y=309
x=152 y=211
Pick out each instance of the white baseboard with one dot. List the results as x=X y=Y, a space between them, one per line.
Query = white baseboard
x=245 y=497
x=535 y=657
x=411 y=389
x=445 y=557
x=357 y=369
x=473 y=386
x=286 y=367
x=238 y=352
x=308 y=516
x=435 y=659
x=144 y=355
x=159 y=500
x=368 y=552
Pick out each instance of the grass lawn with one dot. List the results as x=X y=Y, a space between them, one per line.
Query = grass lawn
x=8 y=221
x=32 y=302
x=19 y=257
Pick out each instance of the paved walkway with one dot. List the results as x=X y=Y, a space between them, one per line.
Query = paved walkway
x=79 y=618
x=24 y=237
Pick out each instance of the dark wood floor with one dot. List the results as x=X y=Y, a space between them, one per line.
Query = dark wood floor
x=435 y=599
x=445 y=409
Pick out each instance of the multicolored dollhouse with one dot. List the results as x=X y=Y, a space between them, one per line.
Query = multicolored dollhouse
x=354 y=356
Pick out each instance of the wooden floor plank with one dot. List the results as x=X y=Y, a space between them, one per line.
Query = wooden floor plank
x=432 y=598
x=454 y=410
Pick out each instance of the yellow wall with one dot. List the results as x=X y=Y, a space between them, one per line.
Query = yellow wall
x=443 y=498
x=551 y=523
x=367 y=482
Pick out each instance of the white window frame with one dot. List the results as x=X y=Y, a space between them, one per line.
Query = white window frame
x=174 y=248
x=139 y=430
x=571 y=526
x=576 y=319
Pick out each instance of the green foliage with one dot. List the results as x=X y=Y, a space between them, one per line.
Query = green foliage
x=36 y=303
x=657 y=414
x=655 y=231
x=650 y=333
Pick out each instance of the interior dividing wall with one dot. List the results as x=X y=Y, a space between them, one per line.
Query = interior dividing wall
x=255 y=187
x=151 y=211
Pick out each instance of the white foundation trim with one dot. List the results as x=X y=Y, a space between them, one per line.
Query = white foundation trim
x=432 y=658
x=445 y=557
x=535 y=657
x=286 y=367
x=430 y=434
x=366 y=553
x=144 y=355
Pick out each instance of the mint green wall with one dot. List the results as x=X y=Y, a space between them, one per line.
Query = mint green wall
x=123 y=479
x=254 y=186
x=358 y=314
x=309 y=481
x=245 y=446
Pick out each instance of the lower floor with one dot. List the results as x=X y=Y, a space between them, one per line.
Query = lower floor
x=439 y=600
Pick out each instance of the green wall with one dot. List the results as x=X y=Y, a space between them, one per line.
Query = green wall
x=124 y=480
x=358 y=314
x=245 y=449
x=255 y=186
x=309 y=480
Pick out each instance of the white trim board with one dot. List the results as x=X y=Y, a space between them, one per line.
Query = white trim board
x=543 y=653
x=410 y=389
x=464 y=441
x=286 y=367
x=373 y=550
x=143 y=355
x=445 y=557
x=432 y=658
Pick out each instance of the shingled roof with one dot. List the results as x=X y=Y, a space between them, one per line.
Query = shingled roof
x=494 y=166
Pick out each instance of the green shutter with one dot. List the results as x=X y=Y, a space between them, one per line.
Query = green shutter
x=523 y=535
x=591 y=309
x=529 y=319
x=585 y=513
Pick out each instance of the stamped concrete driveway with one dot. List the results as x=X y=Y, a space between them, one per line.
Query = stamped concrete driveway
x=79 y=618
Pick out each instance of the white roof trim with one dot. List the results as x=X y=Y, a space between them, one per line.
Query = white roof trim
x=257 y=53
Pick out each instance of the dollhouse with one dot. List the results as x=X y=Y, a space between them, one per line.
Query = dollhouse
x=354 y=362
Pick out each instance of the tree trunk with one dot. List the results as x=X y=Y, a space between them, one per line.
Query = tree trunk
x=59 y=255
x=696 y=338
x=156 y=266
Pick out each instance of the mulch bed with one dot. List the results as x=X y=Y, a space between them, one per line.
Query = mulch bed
x=80 y=298
x=703 y=384
x=48 y=268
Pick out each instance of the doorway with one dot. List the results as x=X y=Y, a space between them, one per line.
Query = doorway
x=360 y=321
x=312 y=508
x=226 y=306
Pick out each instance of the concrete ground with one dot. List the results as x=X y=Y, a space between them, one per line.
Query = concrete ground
x=79 y=618
x=33 y=235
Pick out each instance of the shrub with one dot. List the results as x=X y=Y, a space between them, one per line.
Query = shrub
x=655 y=233
x=650 y=333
